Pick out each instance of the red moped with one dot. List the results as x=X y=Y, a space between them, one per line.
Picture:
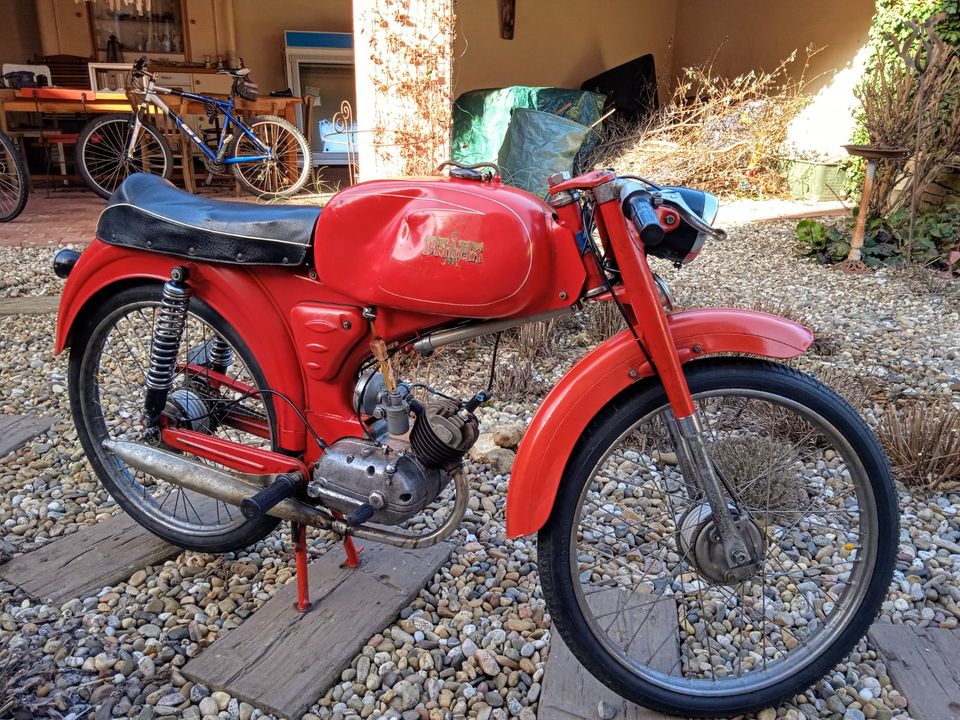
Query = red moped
x=715 y=530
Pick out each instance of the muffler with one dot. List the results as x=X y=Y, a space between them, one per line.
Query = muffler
x=233 y=488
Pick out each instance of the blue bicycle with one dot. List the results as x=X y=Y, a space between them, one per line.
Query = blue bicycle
x=269 y=157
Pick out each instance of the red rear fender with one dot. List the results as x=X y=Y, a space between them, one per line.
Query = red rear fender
x=610 y=369
x=234 y=292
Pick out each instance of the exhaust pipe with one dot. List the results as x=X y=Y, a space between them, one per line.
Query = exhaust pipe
x=234 y=488
x=209 y=481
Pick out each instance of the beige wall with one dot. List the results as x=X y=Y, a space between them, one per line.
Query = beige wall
x=559 y=43
x=260 y=27
x=19 y=34
x=760 y=33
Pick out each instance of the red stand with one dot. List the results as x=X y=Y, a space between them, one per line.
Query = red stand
x=303 y=580
x=300 y=553
x=353 y=553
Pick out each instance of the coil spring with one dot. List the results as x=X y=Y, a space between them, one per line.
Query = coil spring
x=167 y=334
x=220 y=355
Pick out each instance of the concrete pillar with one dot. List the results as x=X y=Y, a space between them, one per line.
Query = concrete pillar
x=403 y=54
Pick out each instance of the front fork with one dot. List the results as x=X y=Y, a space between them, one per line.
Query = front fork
x=650 y=323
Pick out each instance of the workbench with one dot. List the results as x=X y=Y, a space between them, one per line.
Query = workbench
x=67 y=101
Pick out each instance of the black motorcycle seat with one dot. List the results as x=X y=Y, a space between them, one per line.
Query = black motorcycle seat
x=149 y=213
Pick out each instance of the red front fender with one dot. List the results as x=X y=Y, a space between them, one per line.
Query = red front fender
x=604 y=373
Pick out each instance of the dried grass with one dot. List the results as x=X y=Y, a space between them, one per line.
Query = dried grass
x=718 y=133
x=923 y=444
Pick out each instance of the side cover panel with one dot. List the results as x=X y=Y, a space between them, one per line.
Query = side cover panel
x=607 y=371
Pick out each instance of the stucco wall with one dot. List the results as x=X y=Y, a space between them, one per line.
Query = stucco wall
x=560 y=44
x=260 y=27
x=761 y=33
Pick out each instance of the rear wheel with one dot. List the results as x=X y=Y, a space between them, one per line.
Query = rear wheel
x=102 y=153
x=14 y=185
x=633 y=570
x=285 y=172
x=108 y=362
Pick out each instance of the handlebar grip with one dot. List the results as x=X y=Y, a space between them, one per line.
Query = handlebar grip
x=639 y=206
x=141 y=63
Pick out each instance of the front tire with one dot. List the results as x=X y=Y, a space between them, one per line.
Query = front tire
x=102 y=153
x=108 y=359
x=286 y=172
x=629 y=537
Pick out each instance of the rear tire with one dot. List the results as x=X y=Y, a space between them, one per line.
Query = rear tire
x=101 y=153
x=107 y=359
x=684 y=688
x=282 y=176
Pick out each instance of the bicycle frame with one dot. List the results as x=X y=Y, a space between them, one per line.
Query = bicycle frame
x=226 y=107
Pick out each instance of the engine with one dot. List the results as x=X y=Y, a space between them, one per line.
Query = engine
x=393 y=478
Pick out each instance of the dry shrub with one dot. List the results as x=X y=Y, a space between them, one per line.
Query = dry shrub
x=604 y=320
x=523 y=352
x=759 y=470
x=717 y=132
x=923 y=444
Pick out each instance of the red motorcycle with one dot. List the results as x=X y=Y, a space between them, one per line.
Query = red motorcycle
x=715 y=530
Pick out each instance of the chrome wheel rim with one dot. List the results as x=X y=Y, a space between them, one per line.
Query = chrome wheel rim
x=742 y=637
x=117 y=368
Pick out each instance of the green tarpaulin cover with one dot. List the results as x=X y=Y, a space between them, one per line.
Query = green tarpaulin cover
x=538 y=145
x=481 y=119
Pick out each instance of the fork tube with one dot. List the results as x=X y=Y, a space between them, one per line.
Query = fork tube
x=651 y=320
x=137 y=124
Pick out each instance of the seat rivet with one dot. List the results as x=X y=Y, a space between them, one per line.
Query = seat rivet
x=347 y=324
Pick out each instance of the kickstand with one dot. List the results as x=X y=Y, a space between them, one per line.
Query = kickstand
x=303 y=580
x=351 y=550
x=353 y=553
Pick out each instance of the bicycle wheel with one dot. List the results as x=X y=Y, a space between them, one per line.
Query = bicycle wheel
x=286 y=172
x=14 y=185
x=102 y=153
x=632 y=567
x=108 y=358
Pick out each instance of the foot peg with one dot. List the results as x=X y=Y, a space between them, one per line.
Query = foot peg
x=360 y=515
x=284 y=487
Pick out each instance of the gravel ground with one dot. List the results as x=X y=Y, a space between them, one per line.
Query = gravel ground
x=474 y=642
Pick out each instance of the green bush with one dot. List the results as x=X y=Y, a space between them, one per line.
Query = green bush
x=936 y=239
x=890 y=19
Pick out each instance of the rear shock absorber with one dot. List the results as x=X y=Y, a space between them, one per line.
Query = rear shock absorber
x=167 y=335
x=220 y=356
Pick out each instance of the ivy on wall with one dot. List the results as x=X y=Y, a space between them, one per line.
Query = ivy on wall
x=412 y=49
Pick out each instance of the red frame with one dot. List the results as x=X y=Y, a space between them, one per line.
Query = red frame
x=310 y=342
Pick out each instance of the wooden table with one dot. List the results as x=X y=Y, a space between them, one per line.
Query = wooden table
x=70 y=102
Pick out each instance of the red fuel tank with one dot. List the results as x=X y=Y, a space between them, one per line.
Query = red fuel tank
x=446 y=246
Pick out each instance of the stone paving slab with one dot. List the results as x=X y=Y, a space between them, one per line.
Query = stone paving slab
x=80 y=564
x=30 y=305
x=16 y=430
x=570 y=692
x=923 y=665
x=283 y=661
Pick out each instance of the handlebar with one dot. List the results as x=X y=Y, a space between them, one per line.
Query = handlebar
x=638 y=206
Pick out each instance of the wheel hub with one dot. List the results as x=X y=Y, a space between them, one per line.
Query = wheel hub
x=188 y=410
x=700 y=543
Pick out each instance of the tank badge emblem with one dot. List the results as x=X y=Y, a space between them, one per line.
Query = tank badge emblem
x=453 y=250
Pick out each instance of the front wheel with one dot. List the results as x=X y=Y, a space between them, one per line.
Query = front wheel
x=14 y=184
x=103 y=158
x=633 y=570
x=287 y=169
